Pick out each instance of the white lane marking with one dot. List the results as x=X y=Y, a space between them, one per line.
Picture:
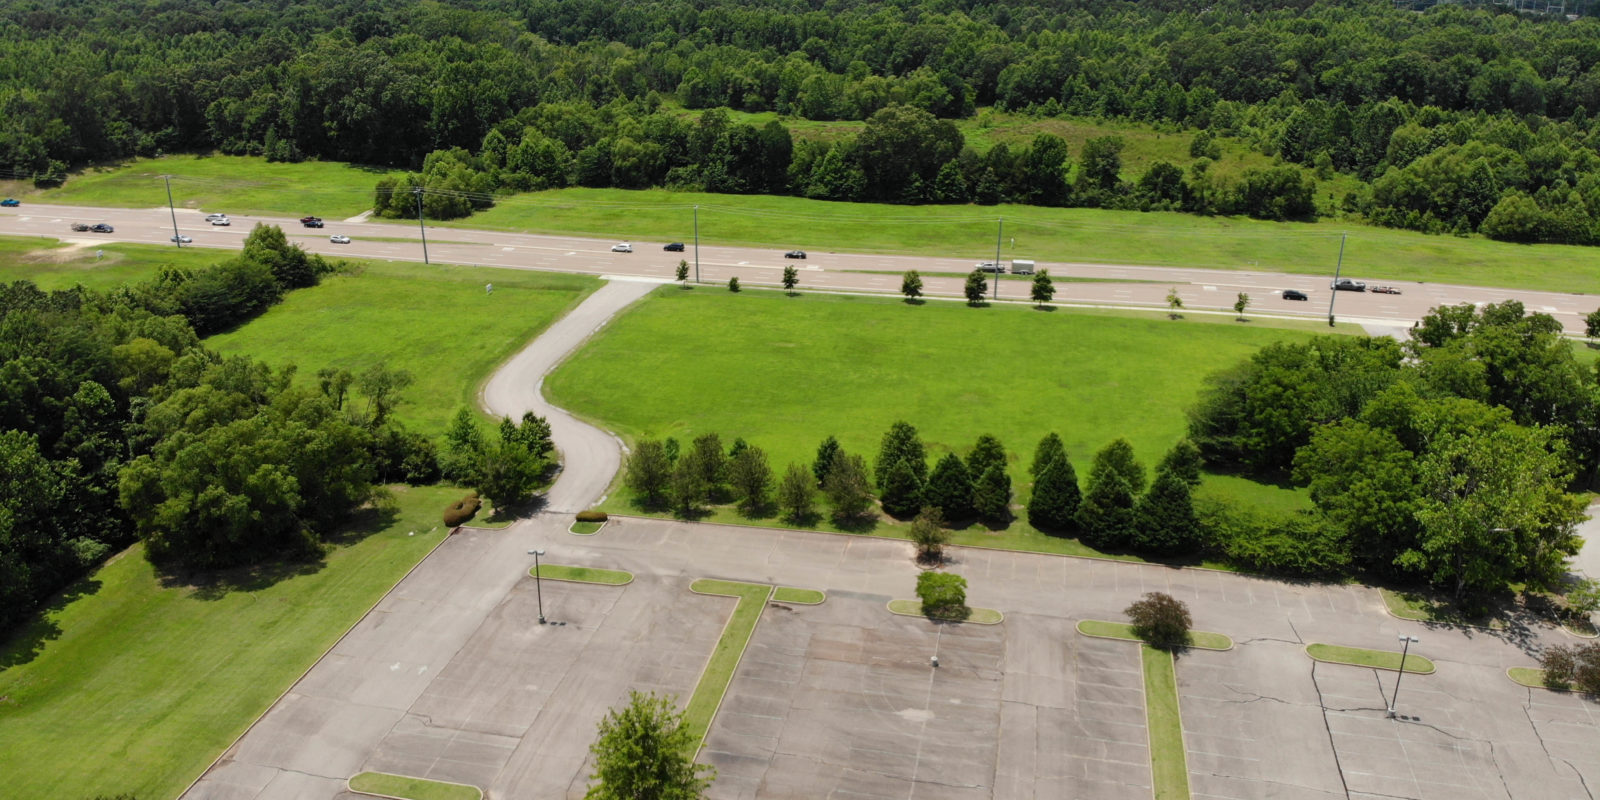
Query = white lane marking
x=573 y=253
x=507 y=249
x=1209 y=288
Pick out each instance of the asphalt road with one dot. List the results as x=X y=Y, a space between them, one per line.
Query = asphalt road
x=1114 y=285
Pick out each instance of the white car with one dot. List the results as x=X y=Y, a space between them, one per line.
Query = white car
x=211 y=217
x=622 y=247
x=221 y=222
x=339 y=238
x=181 y=239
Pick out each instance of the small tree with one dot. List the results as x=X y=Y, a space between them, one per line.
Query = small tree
x=1056 y=496
x=901 y=443
x=1583 y=598
x=688 y=487
x=1174 y=303
x=1239 y=305
x=751 y=478
x=683 y=272
x=1160 y=619
x=706 y=453
x=991 y=495
x=650 y=472
x=900 y=491
x=791 y=278
x=1105 y=517
x=977 y=287
x=1118 y=457
x=847 y=488
x=929 y=535
x=824 y=459
x=643 y=751
x=1049 y=449
x=988 y=452
x=943 y=594
x=911 y=285
x=733 y=284
x=796 y=493
x=950 y=488
x=1044 y=289
x=1572 y=666
x=1592 y=324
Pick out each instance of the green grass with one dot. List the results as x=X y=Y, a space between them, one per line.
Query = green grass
x=434 y=321
x=1533 y=678
x=1423 y=608
x=1168 y=758
x=804 y=597
x=1200 y=640
x=131 y=683
x=53 y=264
x=412 y=788
x=608 y=577
x=979 y=616
x=231 y=184
x=586 y=527
x=730 y=648
x=1360 y=657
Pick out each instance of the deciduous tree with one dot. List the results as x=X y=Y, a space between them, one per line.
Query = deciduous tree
x=643 y=751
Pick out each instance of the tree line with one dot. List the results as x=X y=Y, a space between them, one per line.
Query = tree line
x=1453 y=120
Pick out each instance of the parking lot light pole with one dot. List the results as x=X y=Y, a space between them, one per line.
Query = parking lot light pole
x=538 y=584
x=1408 y=640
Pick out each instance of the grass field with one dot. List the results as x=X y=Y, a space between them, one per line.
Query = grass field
x=53 y=264
x=382 y=783
x=1361 y=657
x=607 y=577
x=1168 y=758
x=1199 y=640
x=130 y=683
x=231 y=184
x=434 y=321
x=730 y=648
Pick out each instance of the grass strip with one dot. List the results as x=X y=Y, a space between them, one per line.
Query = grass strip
x=558 y=572
x=1101 y=629
x=724 y=660
x=1168 y=759
x=1360 y=657
x=386 y=785
x=977 y=616
x=1419 y=607
x=585 y=528
x=804 y=597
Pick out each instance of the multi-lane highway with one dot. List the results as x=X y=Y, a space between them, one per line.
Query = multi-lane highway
x=1089 y=284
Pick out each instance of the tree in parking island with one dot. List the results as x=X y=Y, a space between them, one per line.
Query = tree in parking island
x=645 y=751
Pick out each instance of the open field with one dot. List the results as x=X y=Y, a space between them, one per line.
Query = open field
x=434 y=321
x=53 y=264
x=134 y=683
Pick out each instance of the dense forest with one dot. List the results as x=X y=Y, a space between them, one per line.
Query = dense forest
x=1453 y=119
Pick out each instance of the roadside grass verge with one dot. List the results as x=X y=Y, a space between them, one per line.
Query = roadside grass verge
x=977 y=616
x=802 y=597
x=1168 y=759
x=132 y=682
x=433 y=321
x=607 y=577
x=54 y=264
x=724 y=659
x=385 y=785
x=1361 y=657
x=1101 y=629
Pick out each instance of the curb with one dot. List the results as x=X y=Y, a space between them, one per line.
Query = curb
x=590 y=533
x=1082 y=632
x=798 y=602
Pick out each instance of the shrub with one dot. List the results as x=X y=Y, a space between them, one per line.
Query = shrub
x=1160 y=619
x=592 y=515
x=929 y=535
x=943 y=594
x=462 y=510
x=1574 y=666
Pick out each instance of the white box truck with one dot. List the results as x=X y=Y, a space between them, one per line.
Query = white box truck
x=1021 y=267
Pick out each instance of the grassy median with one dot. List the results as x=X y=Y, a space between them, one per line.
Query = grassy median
x=718 y=674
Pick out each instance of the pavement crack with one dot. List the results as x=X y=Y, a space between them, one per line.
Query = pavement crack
x=1270 y=639
x=1253 y=697
x=1298 y=639
x=1581 y=781
x=1326 y=726
x=1527 y=711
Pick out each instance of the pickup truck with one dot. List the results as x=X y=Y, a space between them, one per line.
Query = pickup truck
x=311 y=222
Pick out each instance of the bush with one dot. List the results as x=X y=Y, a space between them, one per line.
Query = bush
x=1298 y=544
x=1575 y=666
x=943 y=594
x=592 y=515
x=462 y=510
x=1160 y=619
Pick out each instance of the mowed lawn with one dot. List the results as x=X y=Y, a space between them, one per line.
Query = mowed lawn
x=53 y=264
x=133 y=685
x=785 y=372
x=434 y=321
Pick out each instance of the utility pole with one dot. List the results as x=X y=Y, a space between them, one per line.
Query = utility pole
x=177 y=238
x=1334 y=291
x=1404 y=651
x=417 y=190
x=696 y=244
x=999 y=233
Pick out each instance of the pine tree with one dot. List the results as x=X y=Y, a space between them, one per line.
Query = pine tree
x=1166 y=522
x=901 y=491
x=949 y=488
x=1184 y=460
x=1056 y=496
x=901 y=443
x=977 y=286
x=824 y=460
x=1118 y=457
x=988 y=452
x=1105 y=517
x=1049 y=449
x=991 y=495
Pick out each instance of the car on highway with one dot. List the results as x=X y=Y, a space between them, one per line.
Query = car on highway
x=675 y=247
x=311 y=222
x=211 y=217
x=339 y=238
x=622 y=247
x=10 y=202
x=990 y=266
x=1294 y=294
x=800 y=254
x=101 y=227
x=221 y=222
x=180 y=239
x=1384 y=290
x=1348 y=285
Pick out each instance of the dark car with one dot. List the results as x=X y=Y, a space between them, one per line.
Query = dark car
x=1294 y=294
x=675 y=247
x=1348 y=285
x=1384 y=290
x=101 y=227
x=795 y=254
x=311 y=222
x=10 y=202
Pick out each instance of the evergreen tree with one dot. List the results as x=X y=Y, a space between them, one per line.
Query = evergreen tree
x=901 y=443
x=1049 y=449
x=1056 y=496
x=950 y=186
x=1183 y=460
x=824 y=460
x=1044 y=289
x=988 y=452
x=688 y=486
x=707 y=454
x=977 y=286
x=847 y=487
x=949 y=488
x=796 y=493
x=751 y=478
x=901 y=490
x=991 y=495
x=911 y=285
x=1105 y=517
x=462 y=459
x=1165 y=518
x=1118 y=457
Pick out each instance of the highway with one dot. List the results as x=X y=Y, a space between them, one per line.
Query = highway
x=1110 y=285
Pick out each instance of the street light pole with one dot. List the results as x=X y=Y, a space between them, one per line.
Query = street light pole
x=1403 y=652
x=1333 y=292
x=696 y=244
x=538 y=584
x=177 y=238
x=999 y=233
x=417 y=190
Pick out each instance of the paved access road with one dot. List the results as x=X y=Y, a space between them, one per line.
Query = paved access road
x=1201 y=289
